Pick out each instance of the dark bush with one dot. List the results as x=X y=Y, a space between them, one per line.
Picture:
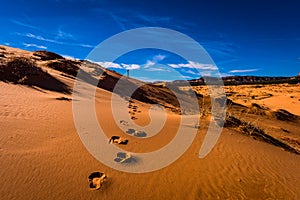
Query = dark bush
x=18 y=68
x=46 y=55
x=67 y=66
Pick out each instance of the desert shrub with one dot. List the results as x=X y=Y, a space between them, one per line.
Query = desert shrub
x=63 y=99
x=17 y=69
x=284 y=115
x=20 y=70
x=67 y=66
x=46 y=55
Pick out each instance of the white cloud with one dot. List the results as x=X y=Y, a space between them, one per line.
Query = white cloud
x=225 y=74
x=41 y=38
x=179 y=65
x=154 y=60
x=151 y=80
x=68 y=57
x=159 y=57
x=155 y=69
x=186 y=77
x=117 y=66
x=34 y=45
x=243 y=70
x=130 y=66
x=82 y=45
x=63 y=35
x=149 y=64
x=38 y=37
x=109 y=65
x=195 y=65
x=203 y=66
x=190 y=72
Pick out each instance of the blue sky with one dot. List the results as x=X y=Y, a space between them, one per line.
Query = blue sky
x=243 y=37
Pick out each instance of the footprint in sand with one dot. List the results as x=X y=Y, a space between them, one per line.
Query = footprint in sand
x=118 y=140
x=96 y=179
x=123 y=157
x=136 y=133
x=123 y=122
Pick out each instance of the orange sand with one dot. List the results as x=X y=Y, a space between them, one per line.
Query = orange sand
x=42 y=157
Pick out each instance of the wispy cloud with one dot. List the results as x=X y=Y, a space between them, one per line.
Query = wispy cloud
x=130 y=66
x=190 y=72
x=118 y=66
x=109 y=65
x=20 y=23
x=159 y=57
x=243 y=70
x=202 y=66
x=81 y=45
x=225 y=74
x=186 y=77
x=194 y=65
x=41 y=38
x=149 y=64
x=34 y=45
x=63 y=35
x=280 y=39
x=154 y=19
x=135 y=19
x=154 y=60
x=151 y=80
x=38 y=37
x=69 y=57
x=158 y=69
x=179 y=65
x=120 y=21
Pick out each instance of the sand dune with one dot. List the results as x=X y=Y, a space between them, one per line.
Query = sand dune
x=42 y=156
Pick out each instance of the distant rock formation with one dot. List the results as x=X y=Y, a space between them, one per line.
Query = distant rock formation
x=243 y=80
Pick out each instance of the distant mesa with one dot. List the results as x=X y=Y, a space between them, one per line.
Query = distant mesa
x=244 y=80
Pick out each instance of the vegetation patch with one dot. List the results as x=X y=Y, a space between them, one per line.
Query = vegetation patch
x=255 y=132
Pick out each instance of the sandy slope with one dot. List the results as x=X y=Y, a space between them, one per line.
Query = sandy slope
x=42 y=157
